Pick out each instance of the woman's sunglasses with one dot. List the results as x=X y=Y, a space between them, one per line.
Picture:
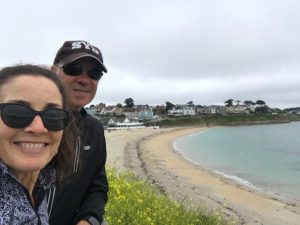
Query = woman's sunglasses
x=20 y=116
x=75 y=69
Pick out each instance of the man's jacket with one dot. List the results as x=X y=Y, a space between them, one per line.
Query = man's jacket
x=84 y=194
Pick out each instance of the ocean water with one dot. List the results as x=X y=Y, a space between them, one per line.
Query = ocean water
x=264 y=157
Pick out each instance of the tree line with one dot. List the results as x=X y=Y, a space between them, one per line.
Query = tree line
x=261 y=105
x=230 y=102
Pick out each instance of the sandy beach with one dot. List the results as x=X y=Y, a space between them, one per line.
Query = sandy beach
x=149 y=153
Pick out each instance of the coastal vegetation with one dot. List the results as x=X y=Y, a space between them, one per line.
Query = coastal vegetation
x=135 y=202
x=228 y=120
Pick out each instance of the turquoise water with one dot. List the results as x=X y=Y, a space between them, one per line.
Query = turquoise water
x=265 y=157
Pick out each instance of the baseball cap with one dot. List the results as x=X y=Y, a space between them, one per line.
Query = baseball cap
x=73 y=50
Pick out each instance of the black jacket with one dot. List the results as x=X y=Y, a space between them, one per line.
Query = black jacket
x=85 y=193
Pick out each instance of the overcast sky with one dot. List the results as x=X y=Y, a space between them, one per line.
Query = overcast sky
x=168 y=50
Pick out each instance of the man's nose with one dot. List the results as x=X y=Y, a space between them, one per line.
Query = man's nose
x=83 y=76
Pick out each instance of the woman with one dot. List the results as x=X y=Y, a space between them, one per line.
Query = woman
x=34 y=149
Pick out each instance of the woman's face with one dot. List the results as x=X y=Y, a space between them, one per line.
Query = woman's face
x=31 y=148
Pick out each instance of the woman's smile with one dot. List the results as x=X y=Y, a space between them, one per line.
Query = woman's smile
x=31 y=147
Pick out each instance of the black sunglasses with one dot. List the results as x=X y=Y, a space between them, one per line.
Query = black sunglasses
x=19 y=116
x=75 y=69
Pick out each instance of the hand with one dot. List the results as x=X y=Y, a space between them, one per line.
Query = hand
x=83 y=222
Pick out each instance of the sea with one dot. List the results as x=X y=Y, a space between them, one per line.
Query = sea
x=261 y=157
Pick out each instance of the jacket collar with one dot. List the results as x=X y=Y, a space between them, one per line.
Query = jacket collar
x=46 y=178
x=79 y=116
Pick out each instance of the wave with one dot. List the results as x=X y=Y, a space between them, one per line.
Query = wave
x=181 y=152
x=175 y=147
x=232 y=177
x=196 y=133
x=275 y=195
x=238 y=180
x=189 y=135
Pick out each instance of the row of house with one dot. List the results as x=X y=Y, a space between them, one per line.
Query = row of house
x=188 y=110
x=141 y=112
x=146 y=112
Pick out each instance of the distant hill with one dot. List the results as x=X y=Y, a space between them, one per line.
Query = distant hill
x=292 y=110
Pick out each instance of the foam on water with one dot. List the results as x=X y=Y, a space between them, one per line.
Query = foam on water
x=238 y=180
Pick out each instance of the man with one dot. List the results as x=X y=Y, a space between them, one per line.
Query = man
x=81 y=199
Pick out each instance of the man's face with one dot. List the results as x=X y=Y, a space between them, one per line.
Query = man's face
x=80 y=89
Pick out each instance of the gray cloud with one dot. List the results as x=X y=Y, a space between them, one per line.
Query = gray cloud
x=158 y=51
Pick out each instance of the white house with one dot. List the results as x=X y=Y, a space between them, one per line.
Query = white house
x=182 y=110
x=126 y=124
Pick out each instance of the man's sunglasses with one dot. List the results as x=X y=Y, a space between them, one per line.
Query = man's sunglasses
x=20 y=116
x=75 y=69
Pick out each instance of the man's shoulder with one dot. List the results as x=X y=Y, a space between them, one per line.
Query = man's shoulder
x=93 y=122
x=90 y=122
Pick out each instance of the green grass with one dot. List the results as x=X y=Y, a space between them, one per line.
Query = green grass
x=135 y=202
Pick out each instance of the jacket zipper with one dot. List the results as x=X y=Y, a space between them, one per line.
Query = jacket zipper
x=51 y=193
x=77 y=154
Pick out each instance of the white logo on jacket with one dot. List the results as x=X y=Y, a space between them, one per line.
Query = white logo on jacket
x=87 y=147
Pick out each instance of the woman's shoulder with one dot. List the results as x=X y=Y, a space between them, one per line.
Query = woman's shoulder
x=47 y=178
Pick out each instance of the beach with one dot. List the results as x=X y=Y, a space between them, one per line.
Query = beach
x=150 y=154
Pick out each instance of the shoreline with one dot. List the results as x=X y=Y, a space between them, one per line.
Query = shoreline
x=150 y=154
x=243 y=183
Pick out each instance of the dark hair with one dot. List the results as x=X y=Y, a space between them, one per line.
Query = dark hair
x=64 y=157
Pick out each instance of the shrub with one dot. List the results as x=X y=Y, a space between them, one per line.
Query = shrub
x=135 y=202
